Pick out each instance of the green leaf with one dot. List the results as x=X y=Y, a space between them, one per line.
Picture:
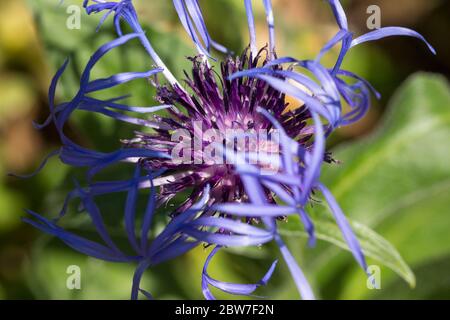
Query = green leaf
x=397 y=182
x=372 y=244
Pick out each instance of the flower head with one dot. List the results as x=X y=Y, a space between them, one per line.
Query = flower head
x=230 y=204
x=221 y=107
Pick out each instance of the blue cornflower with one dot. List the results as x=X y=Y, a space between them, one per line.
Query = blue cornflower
x=248 y=94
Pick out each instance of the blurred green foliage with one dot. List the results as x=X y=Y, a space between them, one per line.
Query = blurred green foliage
x=396 y=181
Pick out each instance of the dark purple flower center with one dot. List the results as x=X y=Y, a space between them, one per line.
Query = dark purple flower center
x=214 y=102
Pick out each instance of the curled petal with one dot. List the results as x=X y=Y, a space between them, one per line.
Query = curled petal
x=51 y=94
x=389 y=32
x=364 y=81
x=125 y=10
x=104 y=49
x=231 y=288
x=40 y=168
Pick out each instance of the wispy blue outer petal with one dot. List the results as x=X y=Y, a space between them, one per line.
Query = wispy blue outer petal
x=339 y=14
x=284 y=140
x=114 y=186
x=125 y=10
x=138 y=273
x=96 y=161
x=251 y=26
x=51 y=94
x=174 y=249
x=289 y=180
x=256 y=194
x=147 y=294
x=296 y=201
x=298 y=77
x=148 y=216
x=97 y=108
x=302 y=284
x=227 y=240
x=230 y=225
x=123 y=107
x=180 y=7
x=294 y=91
x=254 y=210
x=97 y=220
x=40 y=167
x=130 y=211
x=104 y=49
x=364 y=81
x=346 y=43
x=338 y=37
x=360 y=104
x=389 y=32
x=346 y=230
x=78 y=243
x=232 y=288
x=271 y=24
x=197 y=15
x=314 y=163
x=193 y=22
x=178 y=222
x=101 y=84
x=73 y=154
x=280 y=191
x=99 y=188
x=173 y=242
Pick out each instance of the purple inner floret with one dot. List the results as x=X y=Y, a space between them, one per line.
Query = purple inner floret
x=247 y=94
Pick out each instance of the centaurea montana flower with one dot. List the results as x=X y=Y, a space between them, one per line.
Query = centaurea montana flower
x=226 y=201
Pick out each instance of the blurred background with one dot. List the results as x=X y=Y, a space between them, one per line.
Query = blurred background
x=394 y=175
